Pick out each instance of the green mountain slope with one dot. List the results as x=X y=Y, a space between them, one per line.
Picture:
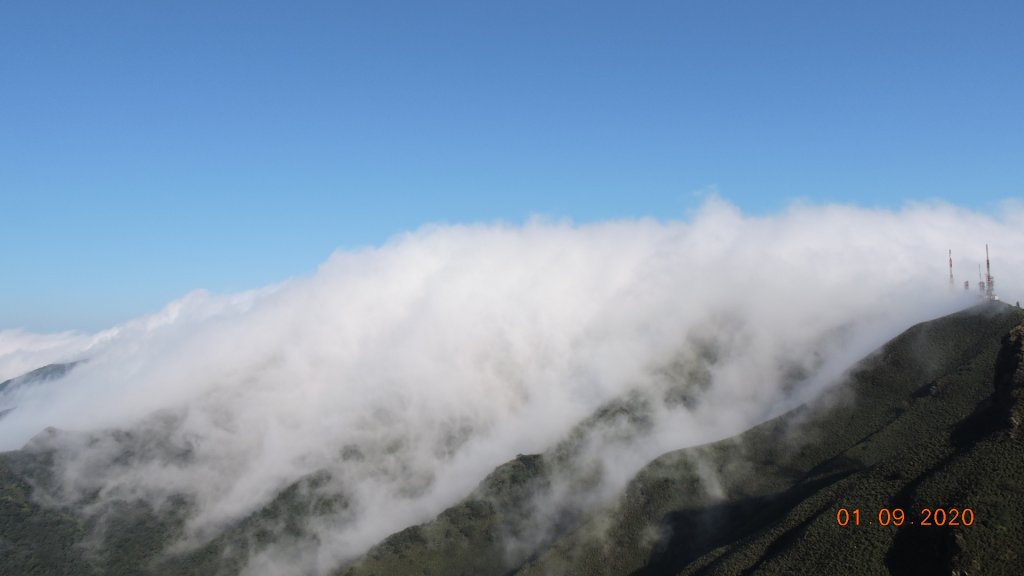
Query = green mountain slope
x=914 y=428
x=930 y=421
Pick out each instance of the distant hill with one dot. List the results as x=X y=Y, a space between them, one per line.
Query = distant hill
x=931 y=421
x=39 y=375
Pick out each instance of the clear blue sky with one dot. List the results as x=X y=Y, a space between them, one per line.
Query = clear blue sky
x=148 y=149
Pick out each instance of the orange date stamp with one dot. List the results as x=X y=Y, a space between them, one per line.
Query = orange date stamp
x=899 y=517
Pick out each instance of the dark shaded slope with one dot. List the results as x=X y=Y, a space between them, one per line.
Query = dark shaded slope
x=909 y=430
x=766 y=501
x=36 y=540
x=987 y=473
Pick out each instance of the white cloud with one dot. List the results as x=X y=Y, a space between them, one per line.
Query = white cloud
x=428 y=361
x=21 y=351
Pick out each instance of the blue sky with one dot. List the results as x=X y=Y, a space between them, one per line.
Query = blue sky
x=148 y=149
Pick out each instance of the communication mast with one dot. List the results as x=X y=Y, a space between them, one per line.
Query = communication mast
x=989 y=280
x=951 y=283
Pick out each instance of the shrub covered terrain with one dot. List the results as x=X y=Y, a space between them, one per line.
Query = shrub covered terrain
x=930 y=421
x=916 y=426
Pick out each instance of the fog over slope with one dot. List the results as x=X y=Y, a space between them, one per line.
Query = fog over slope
x=409 y=371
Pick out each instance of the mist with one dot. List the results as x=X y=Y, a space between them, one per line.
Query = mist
x=410 y=370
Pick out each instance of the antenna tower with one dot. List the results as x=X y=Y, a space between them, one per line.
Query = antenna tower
x=989 y=281
x=951 y=283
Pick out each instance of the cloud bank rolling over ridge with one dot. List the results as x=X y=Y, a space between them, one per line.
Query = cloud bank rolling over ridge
x=409 y=371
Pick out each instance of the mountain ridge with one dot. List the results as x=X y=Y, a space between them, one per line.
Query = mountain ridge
x=931 y=419
x=649 y=532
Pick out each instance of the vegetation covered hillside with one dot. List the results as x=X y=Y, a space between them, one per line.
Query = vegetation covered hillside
x=931 y=421
x=915 y=428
